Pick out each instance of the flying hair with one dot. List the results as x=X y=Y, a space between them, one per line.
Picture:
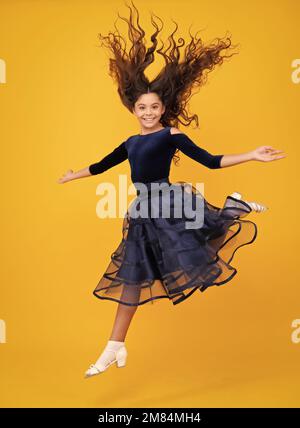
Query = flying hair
x=182 y=73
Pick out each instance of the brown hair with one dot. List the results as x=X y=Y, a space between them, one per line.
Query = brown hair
x=175 y=82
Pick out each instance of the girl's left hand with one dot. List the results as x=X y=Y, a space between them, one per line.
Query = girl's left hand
x=267 y=154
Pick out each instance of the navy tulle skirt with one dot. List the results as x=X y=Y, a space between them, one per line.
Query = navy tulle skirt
x=159 y=257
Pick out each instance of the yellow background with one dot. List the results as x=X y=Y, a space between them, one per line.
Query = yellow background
x=230 y=346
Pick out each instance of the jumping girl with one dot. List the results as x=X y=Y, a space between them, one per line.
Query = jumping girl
x=158 y=256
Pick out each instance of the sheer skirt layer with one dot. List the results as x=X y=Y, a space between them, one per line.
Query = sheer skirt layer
x=160 y=258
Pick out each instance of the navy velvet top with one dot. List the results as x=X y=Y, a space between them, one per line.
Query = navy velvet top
x=150 y=155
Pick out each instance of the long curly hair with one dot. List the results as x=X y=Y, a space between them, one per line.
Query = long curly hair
x=177 y=79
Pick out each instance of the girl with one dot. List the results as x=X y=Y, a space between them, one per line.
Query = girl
x=158 y=256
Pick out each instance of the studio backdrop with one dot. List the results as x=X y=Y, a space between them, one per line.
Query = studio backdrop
x=232 y=345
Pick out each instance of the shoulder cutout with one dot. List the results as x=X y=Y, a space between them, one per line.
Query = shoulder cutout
x=174 y=130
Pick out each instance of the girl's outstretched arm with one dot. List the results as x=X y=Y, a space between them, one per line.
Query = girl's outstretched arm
x=188 y=147
x=262 y=153
x=71 y=175
x=118 y=155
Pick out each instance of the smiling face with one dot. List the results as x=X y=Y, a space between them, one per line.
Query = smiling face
x=149 y=109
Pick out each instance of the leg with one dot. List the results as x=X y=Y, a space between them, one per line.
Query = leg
x=116 y=342
x=130 y=294
x=122 y=321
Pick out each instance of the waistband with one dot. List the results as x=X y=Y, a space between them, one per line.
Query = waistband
x=161 y=180
x=153 y=187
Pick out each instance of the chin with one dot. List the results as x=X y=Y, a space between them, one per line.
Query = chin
x=150 y=125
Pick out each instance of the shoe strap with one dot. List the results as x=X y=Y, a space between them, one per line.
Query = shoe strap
x=93 y=366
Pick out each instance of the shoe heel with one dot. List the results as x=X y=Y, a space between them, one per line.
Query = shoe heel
x=121 y=362
x=121 y=358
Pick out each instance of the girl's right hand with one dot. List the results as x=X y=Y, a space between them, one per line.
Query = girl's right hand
x=68 y=176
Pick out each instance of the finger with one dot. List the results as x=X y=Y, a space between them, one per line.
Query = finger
x=275 y=158
x=272 y=158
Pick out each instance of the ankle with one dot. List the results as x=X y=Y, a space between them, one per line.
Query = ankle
x=114 y=344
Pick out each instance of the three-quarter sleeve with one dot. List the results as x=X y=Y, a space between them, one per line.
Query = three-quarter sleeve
x=189 y=148
x=118 y=155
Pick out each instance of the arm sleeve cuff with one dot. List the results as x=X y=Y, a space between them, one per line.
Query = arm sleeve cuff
x=189 y=148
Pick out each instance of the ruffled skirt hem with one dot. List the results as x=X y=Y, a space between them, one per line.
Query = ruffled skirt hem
x=160 y=258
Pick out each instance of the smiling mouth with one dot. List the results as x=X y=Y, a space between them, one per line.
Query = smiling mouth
x=148 y=120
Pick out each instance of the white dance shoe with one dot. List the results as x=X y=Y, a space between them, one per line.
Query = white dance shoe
x=255 y=206
x=108 y=357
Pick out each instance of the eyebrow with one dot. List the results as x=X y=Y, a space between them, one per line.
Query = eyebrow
x=142 y=104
